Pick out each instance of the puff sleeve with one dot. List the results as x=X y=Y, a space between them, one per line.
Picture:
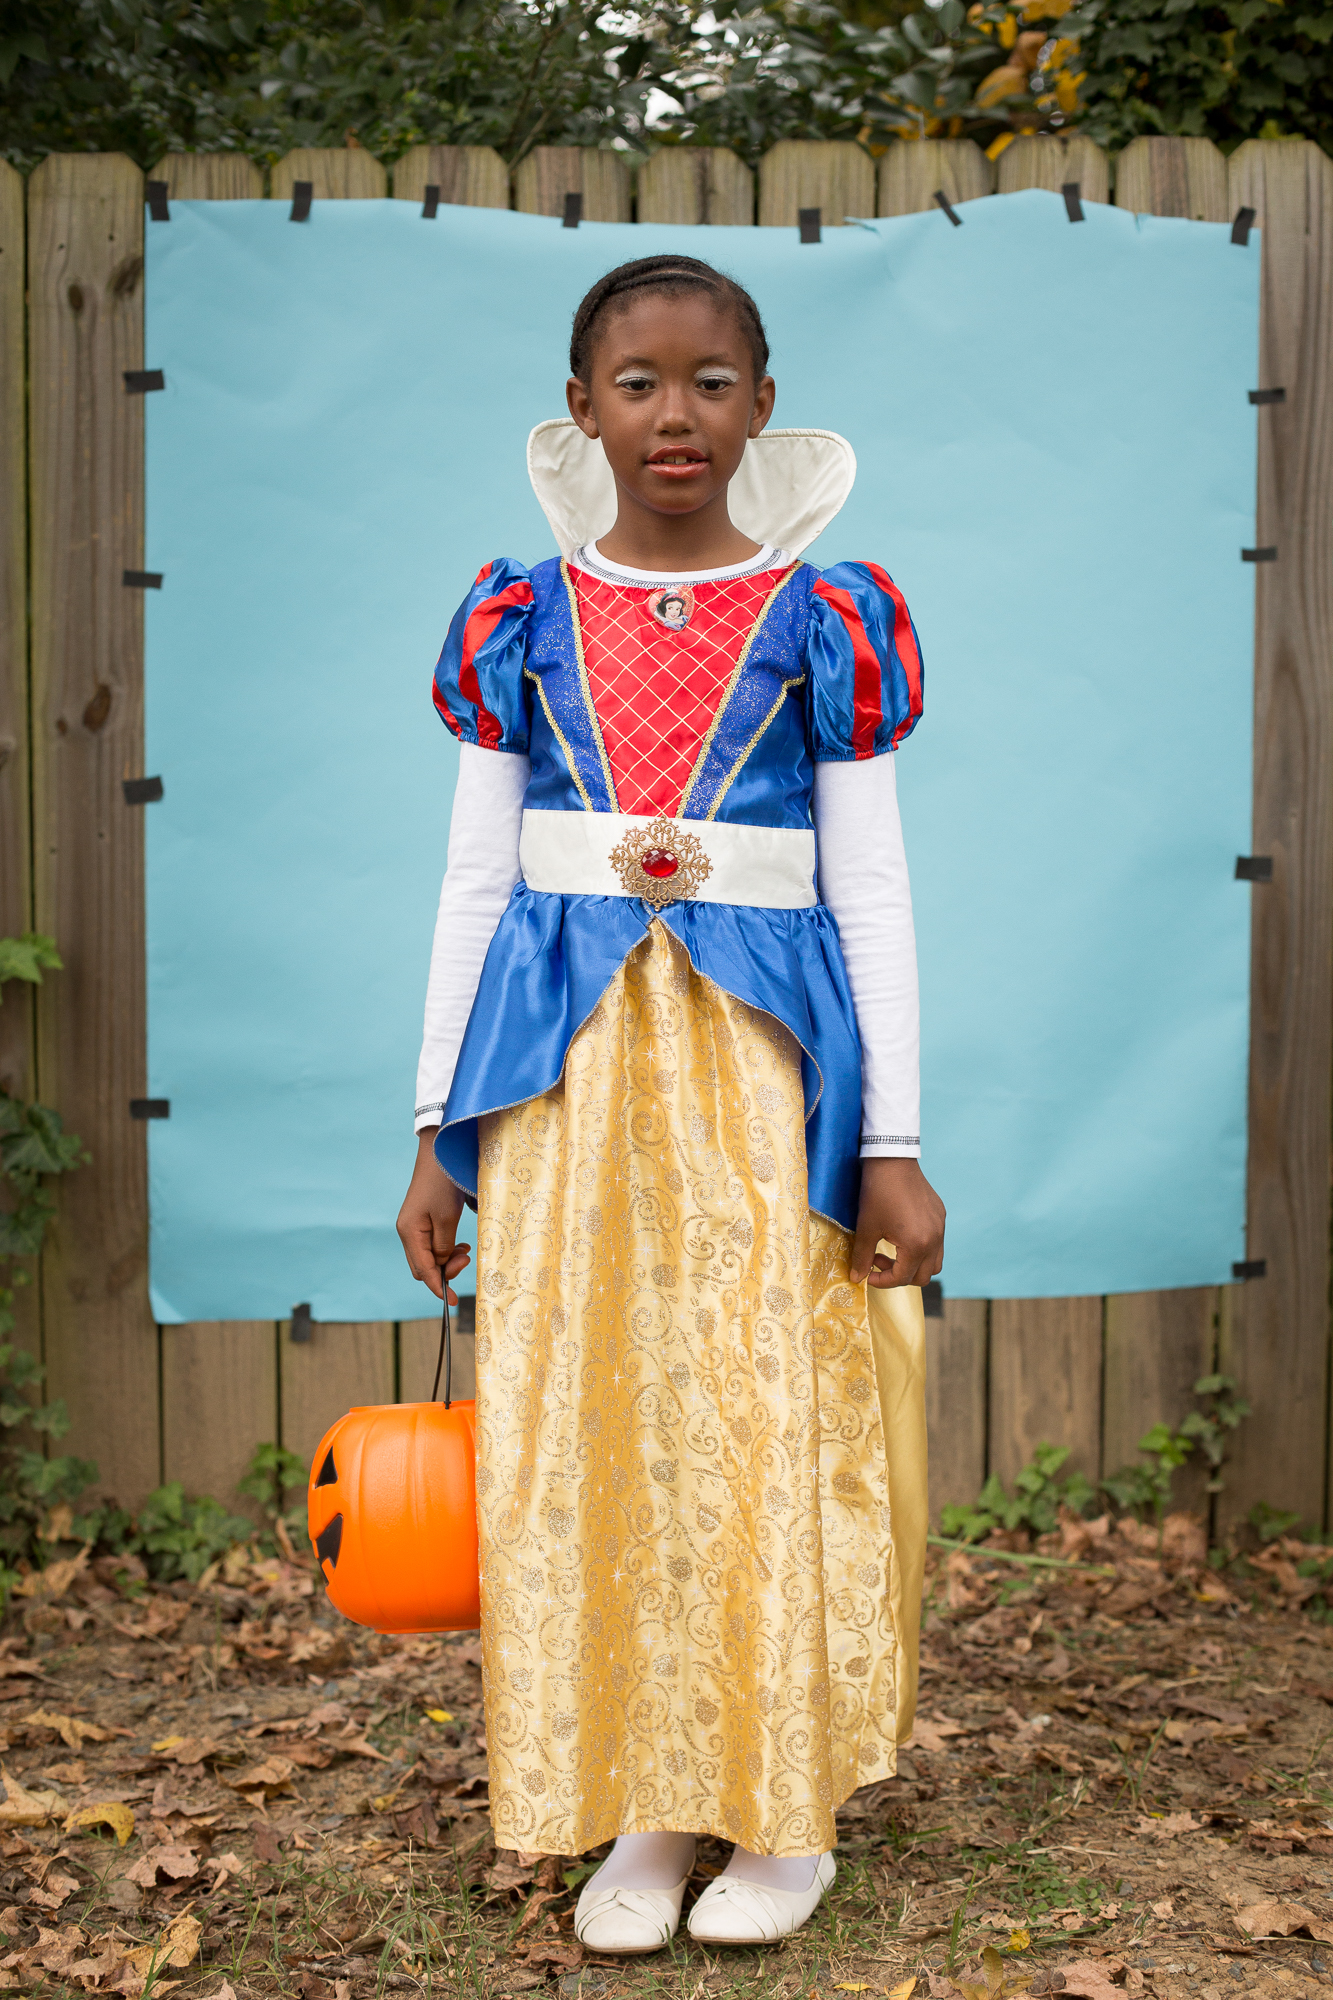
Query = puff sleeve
x=863 y=665
x=480 y=693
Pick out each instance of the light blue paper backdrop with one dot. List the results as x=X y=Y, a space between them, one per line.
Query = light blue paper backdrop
x=1056 y=464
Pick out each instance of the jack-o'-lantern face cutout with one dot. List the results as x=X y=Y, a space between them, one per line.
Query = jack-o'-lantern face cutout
x=393 y=1516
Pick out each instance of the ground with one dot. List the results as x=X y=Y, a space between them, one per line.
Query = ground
x=1119 y=1781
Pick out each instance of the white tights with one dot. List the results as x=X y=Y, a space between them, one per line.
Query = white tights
x=661 y=1860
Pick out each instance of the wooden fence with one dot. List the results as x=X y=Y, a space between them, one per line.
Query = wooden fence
x=191 y=1402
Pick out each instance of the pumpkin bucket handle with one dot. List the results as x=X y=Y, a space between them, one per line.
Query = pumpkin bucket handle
x=446 y=1355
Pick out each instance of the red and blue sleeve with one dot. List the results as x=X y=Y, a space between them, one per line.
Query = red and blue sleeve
x=479 y=688
x=863 y=664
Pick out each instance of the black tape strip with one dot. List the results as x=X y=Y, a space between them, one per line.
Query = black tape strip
x=150 y=1107
x=944 y=202
x=573 y=209
x=141 y=381
x=155 y=194
x=1241 y=227
x=303 y=193
x=1254 y=867
x=141 y=791
x=811 y=221
x=1253 y=1267
x=1258 y=555
x=1268 y=395
x=932 y=1299
x=303 y=1328
x=1073 y=194
x=431 y=203
x=142 y=579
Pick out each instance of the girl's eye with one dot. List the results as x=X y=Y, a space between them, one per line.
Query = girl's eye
x=715 y=382
x=637 y=382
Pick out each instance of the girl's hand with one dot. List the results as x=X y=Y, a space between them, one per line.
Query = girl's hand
x=898 y=1206
x=428 y=1221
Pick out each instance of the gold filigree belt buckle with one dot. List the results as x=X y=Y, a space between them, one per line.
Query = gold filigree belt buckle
x=661 y=862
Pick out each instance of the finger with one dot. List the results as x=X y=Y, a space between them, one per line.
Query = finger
x=863 y=1254
x=415 y=1238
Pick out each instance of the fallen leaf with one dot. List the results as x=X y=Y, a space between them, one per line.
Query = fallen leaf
x=228 y=1992
x=171 y=1859
x=854 y=1986
x=1019 y=1941
x=110 y=1812
x=903 y=1991
x=1090 y=1981
x=24 y=1808
x=177 y=1946
x=534 y=1906
x=55 y=1579
x=273 y=1775
x=1164 y=1911
x=72 y=1729
x=1274 y=1918
x=930 y=1736
x=1169 y=1826
x=438 y=1715
x=550 y=1951
x=224 y=1865
x=511 y=1870
x=55 y=1890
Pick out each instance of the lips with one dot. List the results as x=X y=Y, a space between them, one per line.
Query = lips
x=681 y=462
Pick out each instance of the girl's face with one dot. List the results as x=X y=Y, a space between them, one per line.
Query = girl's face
x=673 y=399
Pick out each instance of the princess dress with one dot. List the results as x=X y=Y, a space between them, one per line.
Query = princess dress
x=701 y=1450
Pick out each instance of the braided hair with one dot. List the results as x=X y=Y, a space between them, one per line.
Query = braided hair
x=673 y=276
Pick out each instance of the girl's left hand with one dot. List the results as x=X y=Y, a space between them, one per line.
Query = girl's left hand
x=898 y=1206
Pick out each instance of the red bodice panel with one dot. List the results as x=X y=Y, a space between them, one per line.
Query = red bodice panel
x=656 y=691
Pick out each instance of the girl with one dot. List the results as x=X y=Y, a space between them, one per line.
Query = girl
x=671 y=1053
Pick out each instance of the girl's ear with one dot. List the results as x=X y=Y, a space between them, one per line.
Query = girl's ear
x=764 y=397
x=580 y=406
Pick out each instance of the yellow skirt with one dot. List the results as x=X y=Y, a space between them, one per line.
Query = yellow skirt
x=700 y=1571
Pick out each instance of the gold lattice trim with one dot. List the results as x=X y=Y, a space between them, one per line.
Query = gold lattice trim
x=665 y=836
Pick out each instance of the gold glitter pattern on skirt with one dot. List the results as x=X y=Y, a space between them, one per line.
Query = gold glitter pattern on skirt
x=688 y=1601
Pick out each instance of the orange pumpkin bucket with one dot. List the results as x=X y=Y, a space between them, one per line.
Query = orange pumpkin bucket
x=392 y=1511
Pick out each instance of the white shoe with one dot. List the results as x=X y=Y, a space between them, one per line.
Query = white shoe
x=733 y=1911
x=627 y=1921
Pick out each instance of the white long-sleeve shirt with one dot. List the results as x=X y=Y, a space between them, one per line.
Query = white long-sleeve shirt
x=862 y=879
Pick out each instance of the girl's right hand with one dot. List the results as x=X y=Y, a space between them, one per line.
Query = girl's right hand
x=428 y=1222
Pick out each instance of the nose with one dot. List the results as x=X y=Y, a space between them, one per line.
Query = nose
x=674 y=415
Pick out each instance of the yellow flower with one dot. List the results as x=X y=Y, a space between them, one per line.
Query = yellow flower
x=1008 y=32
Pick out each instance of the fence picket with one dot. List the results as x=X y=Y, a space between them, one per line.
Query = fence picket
x=85 y=272
x=1045 y=1382
x=324 y=1377
x=914 y=170
x=1158 y=1344
x=219 y=1379
x=549 y=173
x=1173 y=177
x=418 y=1353
x=209 y=177
x=956 y=1403
x=16 y=1015
x=1276 y=1329
x=1042 y=162
x=831 y=175
x=695 y=184
x=335 y=173
x=474 y=176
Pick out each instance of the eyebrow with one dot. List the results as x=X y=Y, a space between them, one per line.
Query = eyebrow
x=706 y=361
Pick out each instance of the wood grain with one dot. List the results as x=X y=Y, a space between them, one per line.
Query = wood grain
x=706 y=184
x=1186 y=177
x=324 y=1377
x=1041 y=162
x=473 y=176
x=911 y=172
x=956 y=1403
x=1158 y=1344
x=1275 y=1338
x=418 y=1353
x=85 y=272
x=17 y=1069
x=209 y=177
x=549 y=173
x=219 y=1400
x=336 y=173
x=831 y=175
x=1045 y=1382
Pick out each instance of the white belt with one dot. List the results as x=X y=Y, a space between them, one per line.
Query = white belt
x=668 y=860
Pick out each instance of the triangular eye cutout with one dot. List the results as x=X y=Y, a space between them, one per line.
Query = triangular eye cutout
x=328 y=1472
x=329 y=1540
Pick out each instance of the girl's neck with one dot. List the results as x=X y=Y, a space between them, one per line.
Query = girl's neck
x=676 y=543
